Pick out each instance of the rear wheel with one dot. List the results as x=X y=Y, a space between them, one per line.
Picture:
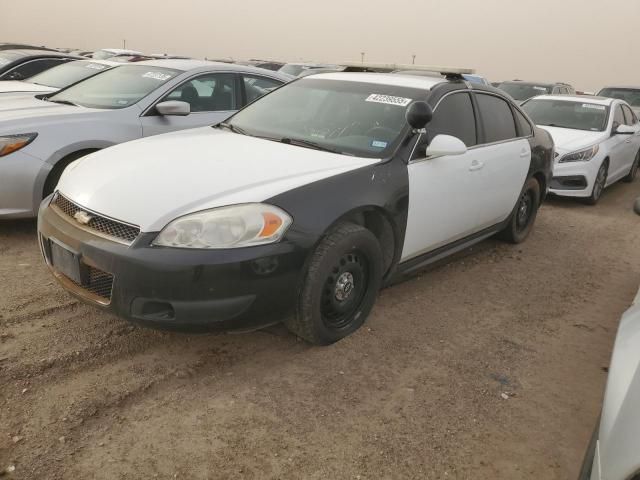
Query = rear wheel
x=340 y=286
x=631 y=176
x=598 y=185
x=524 y=216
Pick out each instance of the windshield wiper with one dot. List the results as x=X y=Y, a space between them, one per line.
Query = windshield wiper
x=62 y=102
x=232 y=128
x=309 y=144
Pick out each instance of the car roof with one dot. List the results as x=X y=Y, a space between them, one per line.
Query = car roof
x=527 y=82
x=32 y=52
x=186 y=65
x=578 y=98
x=394 y=79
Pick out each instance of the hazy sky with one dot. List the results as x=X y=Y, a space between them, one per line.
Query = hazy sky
x=587 y=43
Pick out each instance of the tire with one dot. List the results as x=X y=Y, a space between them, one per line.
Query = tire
x=56 y=172
x=524 y=215
x=631 y=176
x=340 y=285
x=598 y=185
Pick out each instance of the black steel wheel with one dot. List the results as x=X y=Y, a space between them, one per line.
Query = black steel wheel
x=340 y=285
x=524 y=215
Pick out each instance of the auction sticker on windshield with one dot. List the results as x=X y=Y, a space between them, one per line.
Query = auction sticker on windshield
x=157 y=76
x=96 y=66
x=593 y=106
x=388 y=100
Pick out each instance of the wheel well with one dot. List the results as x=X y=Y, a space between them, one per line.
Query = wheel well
x=377 y=222
x=59 y=166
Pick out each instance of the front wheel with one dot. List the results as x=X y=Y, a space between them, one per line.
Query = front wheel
x=631 y=176
x=340 y=285
x=524 y=216
x=598 y=185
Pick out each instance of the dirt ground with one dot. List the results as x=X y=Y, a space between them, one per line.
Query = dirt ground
x=416 y=393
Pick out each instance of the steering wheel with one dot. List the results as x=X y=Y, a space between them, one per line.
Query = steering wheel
x=339 y=132
x=380 y=131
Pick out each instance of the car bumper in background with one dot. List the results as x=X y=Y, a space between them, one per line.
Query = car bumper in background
x=20 y=178
x=574 y=179
x=171 y=288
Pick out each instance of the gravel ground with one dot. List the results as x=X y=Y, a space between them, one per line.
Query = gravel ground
x=419 y=392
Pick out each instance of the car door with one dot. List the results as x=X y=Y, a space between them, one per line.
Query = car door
x=619 y=151
x=454 y=196
x=633 y=142
x=213 y=97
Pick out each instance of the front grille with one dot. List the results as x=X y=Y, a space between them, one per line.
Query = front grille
x=99 y=283
x=106 y=226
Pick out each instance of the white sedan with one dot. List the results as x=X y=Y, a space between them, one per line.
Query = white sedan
x=597 y=142
x=40 y=136
x=54 y=78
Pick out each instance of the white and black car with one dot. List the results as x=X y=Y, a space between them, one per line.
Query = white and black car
x=300 y=206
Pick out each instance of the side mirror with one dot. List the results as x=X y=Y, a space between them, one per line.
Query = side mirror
x=624 y=130
x=173 y=108
x=443 y=145
x=419 y=114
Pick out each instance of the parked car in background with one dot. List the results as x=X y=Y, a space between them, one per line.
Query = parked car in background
x=266 y=64
x=107 y=53
x=23 y=46
x=55 y=78
x=612 y=453
x=473 y=78
x=597 y=142
x=295 y=69
x=39 y=137
x=22 y=64
x=300 y=206
x=631 y=95
x=522 y=91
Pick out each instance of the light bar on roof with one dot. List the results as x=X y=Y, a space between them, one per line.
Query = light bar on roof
x=399 y=66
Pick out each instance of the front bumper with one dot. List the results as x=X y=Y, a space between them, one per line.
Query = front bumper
x=574 y=179
x=21 y=180
x=175 y=288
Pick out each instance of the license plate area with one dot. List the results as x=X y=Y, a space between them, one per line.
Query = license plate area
x=67 y=261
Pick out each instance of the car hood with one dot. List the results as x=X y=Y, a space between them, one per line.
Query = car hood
x=620 y=424
x=10 y=86
x=568 y=140
x=151 y=181
x=22 y=114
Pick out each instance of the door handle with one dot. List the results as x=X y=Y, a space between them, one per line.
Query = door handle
x=524 y=153
x=476 y=165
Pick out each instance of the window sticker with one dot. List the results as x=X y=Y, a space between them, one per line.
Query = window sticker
x=594 y=107
x=122 y=102
x=157 y=76
x=388 y=100
x=542 y=89
x=96 y=66
x=379 y=144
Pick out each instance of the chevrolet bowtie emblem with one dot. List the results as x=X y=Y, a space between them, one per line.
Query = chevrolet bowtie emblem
x=82 y=217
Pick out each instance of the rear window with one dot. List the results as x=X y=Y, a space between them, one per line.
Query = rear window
x=523 y=91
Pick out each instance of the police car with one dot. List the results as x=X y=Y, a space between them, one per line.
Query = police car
x=300 y=206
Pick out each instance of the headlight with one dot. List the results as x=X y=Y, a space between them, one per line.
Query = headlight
x=581 y=156
x=11 y=143
x=226 y=227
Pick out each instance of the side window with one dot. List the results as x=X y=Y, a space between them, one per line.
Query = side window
x=31 y=68
x=524 y=127
x=454 y=116
x=255 y=87
x=618 y=117
x=497 y=118
x=213 y=92
x=629 y=117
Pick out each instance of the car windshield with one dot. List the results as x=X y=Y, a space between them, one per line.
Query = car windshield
x=102 y=55
x=352 y=118
x=566 y=114
x=523 y=91
x=116 y=88
x=629 y=95
x=8 y=57
x=68 y=73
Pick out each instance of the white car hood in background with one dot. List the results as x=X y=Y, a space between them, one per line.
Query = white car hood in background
x=150 y=182
x=569 y=140
x=14 y=86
